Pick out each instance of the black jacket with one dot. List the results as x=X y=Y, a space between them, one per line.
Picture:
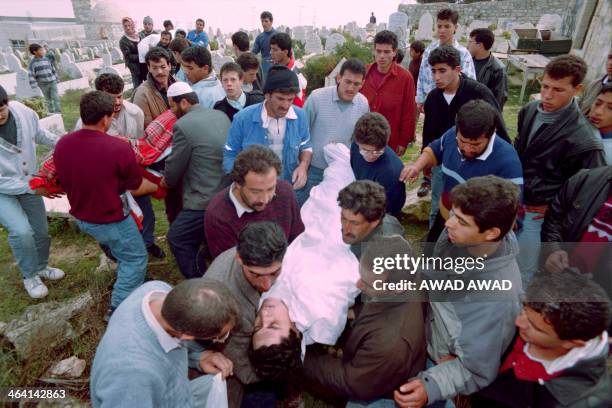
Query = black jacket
x=585 y=385
x=555 y=153
x=440 y=116
x=251 y=99
x=493 y=75
x=129 y=49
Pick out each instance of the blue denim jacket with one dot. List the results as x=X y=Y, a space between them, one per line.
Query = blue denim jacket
x=247 y=129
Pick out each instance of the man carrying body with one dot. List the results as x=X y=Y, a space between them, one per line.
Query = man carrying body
x=332 y=113
x=235 y=99
x=256 y=194
x=262 y=42
x=277 y=124
x=390 y=92
x=196 y=163
x=198 y=36
x=281 y=50
x=197 y=64
x=489 y=70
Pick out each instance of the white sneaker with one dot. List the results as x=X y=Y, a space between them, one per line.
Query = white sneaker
x=35 y=287
x=51 y=273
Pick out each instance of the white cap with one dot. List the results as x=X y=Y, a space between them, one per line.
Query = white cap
x=179 y=88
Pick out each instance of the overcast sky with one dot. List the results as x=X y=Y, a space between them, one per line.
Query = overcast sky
x=229 y=15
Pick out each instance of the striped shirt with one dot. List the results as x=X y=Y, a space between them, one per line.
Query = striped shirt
x=41 y=70
x=426 y=82
x=332 y=120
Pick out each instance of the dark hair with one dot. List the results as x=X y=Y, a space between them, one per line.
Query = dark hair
x=386 y=37
x=181 y=32
x=278 y=360
x=266 y=14
x=476 y=118
x=573 y=304
x=190 y=97
x=283 y=41
x=483 y=36
x=418 y=46
x=372 y=129
x=156 y=54
x=94 y=106
x=166 y=33
x=241 y=40
x=178 y=45
x=108 y=82
x=567 y=65
x=445 y=54
x=199 y=19
x=399 y=56
x=248 y=61
x=605 y=89
x=353 y=65
x=33 y=48
x=256 y=158
x=167 y=23
x=491 y=200
x=448 y=14
x=200 y=307
x=364 y=197
x=198 y=55
x=231 y=67
x=261 y=243
x=3 y=96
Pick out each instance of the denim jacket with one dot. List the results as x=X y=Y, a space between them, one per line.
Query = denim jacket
x=247 y=129
x=18 y=162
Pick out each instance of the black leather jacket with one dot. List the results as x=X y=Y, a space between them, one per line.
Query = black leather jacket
x=556 y=153
x=493 y=75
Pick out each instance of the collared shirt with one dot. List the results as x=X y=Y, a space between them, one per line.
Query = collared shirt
x=238 y=103
x=275 y=129
x=426 y=82
x=332 y=120
x=166 y=341
x=240 y=209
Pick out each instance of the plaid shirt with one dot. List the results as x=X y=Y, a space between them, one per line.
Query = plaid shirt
x=41 y=70
x=426 y=82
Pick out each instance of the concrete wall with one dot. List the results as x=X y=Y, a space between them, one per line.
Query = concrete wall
x=597 y=41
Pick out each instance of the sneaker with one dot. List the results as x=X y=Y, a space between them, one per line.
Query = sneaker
x=156 y=251
x=51 y=273
x=423 y=190
x=35 y=287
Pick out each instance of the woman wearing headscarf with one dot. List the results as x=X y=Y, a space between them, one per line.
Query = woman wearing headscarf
x=129 y=47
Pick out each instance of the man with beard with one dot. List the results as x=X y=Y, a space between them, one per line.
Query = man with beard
x=164 y=42
x=470 y=149
x=256 y=194
x=196 y=160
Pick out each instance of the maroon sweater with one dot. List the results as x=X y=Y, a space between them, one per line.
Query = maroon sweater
x=94 y=169
x=222 y=225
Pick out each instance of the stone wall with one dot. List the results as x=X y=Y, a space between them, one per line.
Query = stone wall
x=524 y=11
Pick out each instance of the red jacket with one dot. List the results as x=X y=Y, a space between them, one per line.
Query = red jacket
x=394 y=99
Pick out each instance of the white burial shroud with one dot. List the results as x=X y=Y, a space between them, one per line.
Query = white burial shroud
x=319 y=272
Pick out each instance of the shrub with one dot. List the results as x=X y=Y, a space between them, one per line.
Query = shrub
x=37 y=104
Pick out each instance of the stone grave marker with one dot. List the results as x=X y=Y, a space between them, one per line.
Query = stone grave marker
x=13 y=62
x=425 y=30
x=107 y=59
x=313 y=45
x=552 y=22
x=336 y=39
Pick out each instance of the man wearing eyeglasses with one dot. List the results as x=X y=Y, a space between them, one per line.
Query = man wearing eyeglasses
x=142 y=360
x=372 y=159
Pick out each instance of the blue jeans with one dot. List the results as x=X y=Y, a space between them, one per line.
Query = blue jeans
x=49 y=90
x=185 y=236
x=529 y=244
x=25 y=218
x=148 y=219
x=379 y=403
x=315 y=177
x=126 y=245
x=437 y=184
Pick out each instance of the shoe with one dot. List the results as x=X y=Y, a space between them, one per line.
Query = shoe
x=156 y=251
x=51 y=273
x=35 y=287
x=424 y=189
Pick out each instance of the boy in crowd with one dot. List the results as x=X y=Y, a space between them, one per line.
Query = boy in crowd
x=235 y=98
x=417 y=48
x=489 y=70
x=600 y=116
x=559 y=356
x=43 y=75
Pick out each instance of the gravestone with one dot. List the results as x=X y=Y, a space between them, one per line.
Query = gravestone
x=425 y=30
x=23 y=89
x=13 y=62
x=218 y=60
x=381 y=27
x=313 y=45
x=398 y=23
x=334 y=40
x=108 y=70
x=478 y=24
x=66 y=58
x=552 y=22
x=116 y=54
x=97 y=52
x=331 y=78
x=3 y=60
x=107 y=59
x=361 y=34
x=90 y=54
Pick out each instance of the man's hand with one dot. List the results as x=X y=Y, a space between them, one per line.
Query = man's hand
x=411 y=395
x=213 y=362
x=400 y=150
x=299 y=177
x=420 y=108
x=46 y=193
x=557 y=261
x=410 y=173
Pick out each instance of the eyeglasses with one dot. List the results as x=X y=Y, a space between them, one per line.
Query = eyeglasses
x=223 y=338
x=375 y=153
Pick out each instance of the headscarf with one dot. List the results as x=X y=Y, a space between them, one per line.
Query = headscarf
x=131 y=34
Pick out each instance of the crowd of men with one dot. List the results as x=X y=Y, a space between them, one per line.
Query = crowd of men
x=247 y=148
